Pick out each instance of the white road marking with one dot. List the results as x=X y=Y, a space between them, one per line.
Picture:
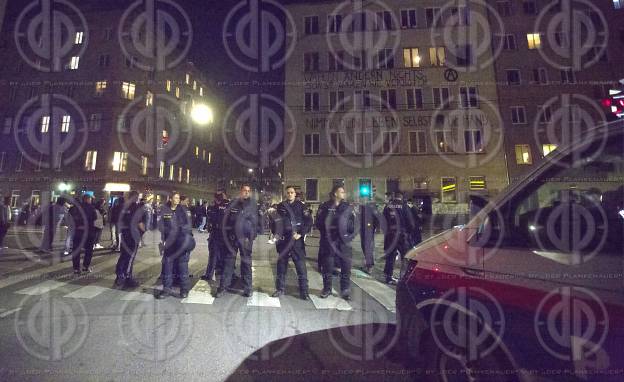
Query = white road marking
x=87 y=292
x=315 y=283
x=382 y=293
x=41 y=288
x=263 y=299
x=200 y=294
x=10 y=312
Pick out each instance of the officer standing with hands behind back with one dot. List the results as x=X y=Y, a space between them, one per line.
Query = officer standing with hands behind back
x=291 y=224
x=217 y=247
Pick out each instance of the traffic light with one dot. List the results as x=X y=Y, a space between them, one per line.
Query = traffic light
x=366 y=189
x=614 y=104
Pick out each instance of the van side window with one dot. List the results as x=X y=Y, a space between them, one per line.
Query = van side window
x=576 y=207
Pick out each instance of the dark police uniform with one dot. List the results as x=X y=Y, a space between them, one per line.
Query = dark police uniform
x=217 y=247
x=176 y=227
x=398 y=233
x=369 y=224
x=83 y=216
x=337 y=227
x=242 y=225
x=291 y=218
x=130 y=217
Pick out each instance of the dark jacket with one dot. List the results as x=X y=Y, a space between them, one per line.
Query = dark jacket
x=176 y=229
x=243 y=220
x=291 y=218
x=336 y=223
x=400 y=223
x=216 y=215
x=82 y=216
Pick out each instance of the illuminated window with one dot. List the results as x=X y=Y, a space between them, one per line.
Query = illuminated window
x=449 y=190
x=149 y=98
x=73 y=64
x=523 y=154
x=197 y=151
x=548 y=148
x=437 y=56
x=90 y=160
x=188 y=176
x=65 y=123
x=100 y=87
x=120 y=161
x=161 y=170
x=188 y=78
x=168 y=85
x=180 y=174
x=177 y=93
x=194 y=85
x=618 y=4
x=209 y=158
x=477 y=183
x=204 y=154
x=171 y=171
x=45 y=123
x=127 y=90
x=201 y=92
x=411 y=59
x=79 y=37
x=534 y=40
x=144 y=163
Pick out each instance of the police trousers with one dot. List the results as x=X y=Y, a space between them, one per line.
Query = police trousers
x=216 y=253
x=244 y=247
x=179 y=261
x=294 y=249
x=334 y=254
x=129 y=249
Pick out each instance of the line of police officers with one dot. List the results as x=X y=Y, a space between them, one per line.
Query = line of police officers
x=234 y=225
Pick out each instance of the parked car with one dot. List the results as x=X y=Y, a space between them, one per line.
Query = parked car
x=532 y=287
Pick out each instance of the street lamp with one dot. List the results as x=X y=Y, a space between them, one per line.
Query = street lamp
x=202 y=114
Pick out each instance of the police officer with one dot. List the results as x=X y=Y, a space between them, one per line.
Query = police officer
x=217 y=247
x=132 y=227
x=83 y=216
x=335 y=219
x=369 y=224
x=291 y=224
x=176 y=227
x=398 y=233
x=242 y=225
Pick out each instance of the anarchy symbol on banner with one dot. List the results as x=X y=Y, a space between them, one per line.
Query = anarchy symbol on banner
x=451 y=75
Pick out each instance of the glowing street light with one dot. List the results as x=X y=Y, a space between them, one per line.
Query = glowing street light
x=202 y=114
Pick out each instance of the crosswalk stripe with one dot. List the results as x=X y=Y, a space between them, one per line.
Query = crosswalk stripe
x=315 y=282
x=10 y=312
x=87 y=292
x=263 y=299
x=199 y=294
x=383 y=294
x=41 y=288
x=136 y=296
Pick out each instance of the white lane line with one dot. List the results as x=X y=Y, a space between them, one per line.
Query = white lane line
x=263 y=299
x=87 y=292
x=137 y=296
x=149 y=287
x=315 y=283
x=200 y=294
x=41 y=288
x=383 y=294
x=10 y=312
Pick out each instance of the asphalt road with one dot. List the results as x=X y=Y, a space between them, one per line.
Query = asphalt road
x=55 y=326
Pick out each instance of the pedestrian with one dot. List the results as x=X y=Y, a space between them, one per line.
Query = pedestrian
x=291 y=223
x=176 y=227
x=242 y=225
x=99 y=223
x=217 y=247
x=115 y=214
x=335 y=219
x=399 y=230
x=143 y=204
x=202 y=213
x=5 y=220
x=69 y=227
x=83 y=216
x=132 y=227
x=369 y=225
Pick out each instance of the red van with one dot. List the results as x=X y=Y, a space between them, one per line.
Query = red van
x=532 y=288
